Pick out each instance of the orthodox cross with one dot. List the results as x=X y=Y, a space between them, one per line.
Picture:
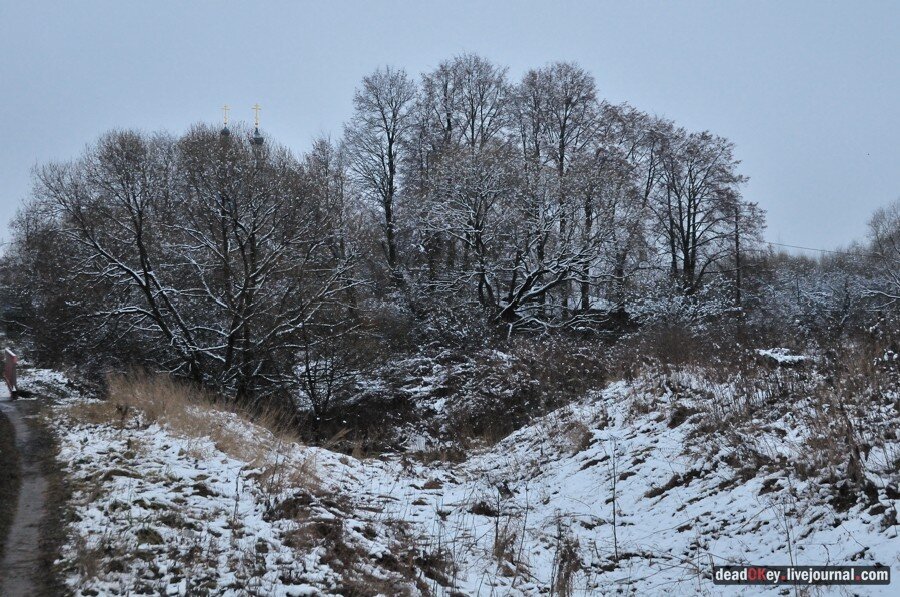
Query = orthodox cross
x=256 y=110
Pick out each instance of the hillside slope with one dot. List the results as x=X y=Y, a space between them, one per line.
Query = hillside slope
x=637 y=489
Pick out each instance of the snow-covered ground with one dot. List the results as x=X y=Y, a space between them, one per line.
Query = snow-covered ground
x=624 y=492
x=782 y=356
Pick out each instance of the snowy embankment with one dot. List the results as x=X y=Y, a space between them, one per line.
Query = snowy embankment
x=158 y=512
x=626 y=491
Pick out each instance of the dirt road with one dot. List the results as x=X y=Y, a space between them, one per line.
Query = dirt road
x=23 y=559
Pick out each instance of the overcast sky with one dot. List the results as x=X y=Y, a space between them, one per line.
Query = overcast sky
x=809 y=91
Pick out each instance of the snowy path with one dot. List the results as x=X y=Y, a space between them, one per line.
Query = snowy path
x=19 y=567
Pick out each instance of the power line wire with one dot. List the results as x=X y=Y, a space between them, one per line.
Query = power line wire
x=847 y=253
x=814 y=249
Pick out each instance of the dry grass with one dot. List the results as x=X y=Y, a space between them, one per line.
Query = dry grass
x=505 y=539
x=566 y=563
x=139 y=399
x=88 y=560
x=262 y=441
x=443 y=453
x=578 y=435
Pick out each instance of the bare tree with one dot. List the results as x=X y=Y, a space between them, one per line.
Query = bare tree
x=569 y=120
x=884 y=233
x=375 y=139
x=113 y=204
x=531 y=206
x=464 y=111
x=631 y=142
x=696 y=203
x=208 y=250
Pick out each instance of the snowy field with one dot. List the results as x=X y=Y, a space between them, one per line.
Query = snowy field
x=621 y=493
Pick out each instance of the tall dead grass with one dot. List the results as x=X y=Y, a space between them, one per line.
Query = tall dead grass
x=264 y=440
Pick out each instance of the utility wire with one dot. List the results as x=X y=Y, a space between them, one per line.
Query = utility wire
x=812 y=249
x=848 y=253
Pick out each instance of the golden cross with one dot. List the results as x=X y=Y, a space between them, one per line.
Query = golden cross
x=225 y=109
x=256 y=110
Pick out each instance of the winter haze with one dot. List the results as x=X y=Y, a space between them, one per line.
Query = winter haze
x=808 y=91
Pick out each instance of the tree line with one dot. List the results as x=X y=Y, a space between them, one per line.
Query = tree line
x=455 y=206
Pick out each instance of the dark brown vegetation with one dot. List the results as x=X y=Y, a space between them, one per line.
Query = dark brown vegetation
x=473 y=252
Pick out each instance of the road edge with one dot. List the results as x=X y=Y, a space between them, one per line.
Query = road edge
x=10 y=477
